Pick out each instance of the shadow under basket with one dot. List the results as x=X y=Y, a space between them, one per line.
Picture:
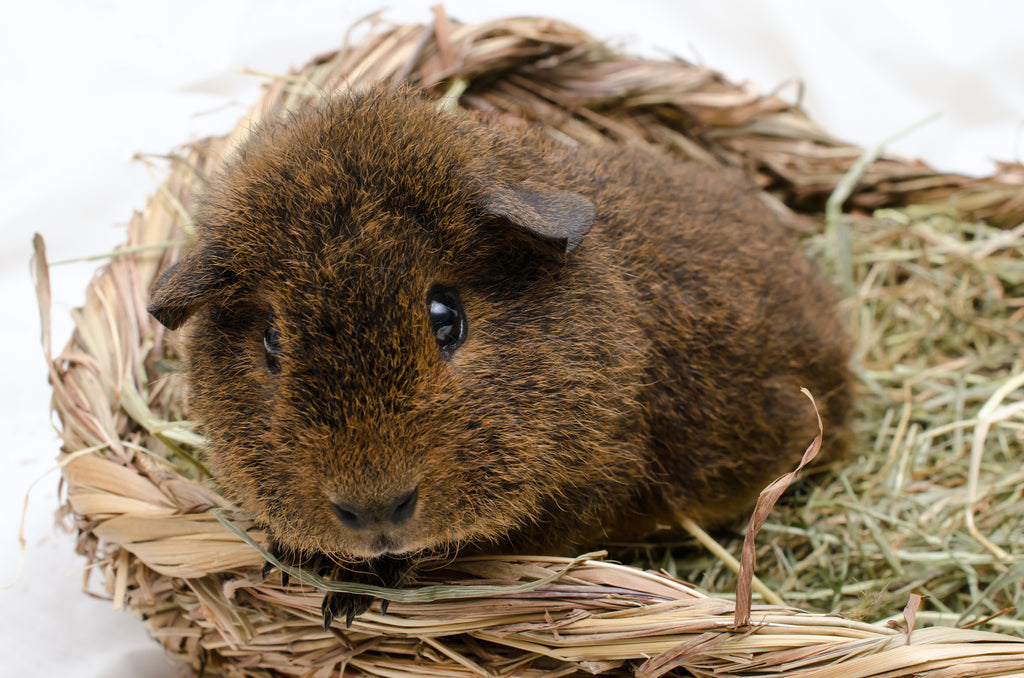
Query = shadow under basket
x=931 y=503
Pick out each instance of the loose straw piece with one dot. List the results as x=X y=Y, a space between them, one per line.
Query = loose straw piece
x=989 y=414
x=730 y=561
x=22 y=542
x=834 y=220
x=765 y=503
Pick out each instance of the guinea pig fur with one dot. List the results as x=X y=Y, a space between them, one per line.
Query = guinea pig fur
x=416 y=332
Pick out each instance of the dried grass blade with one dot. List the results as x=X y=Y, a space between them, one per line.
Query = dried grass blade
x=41 y=279
x=910 y=613
x=765 y=503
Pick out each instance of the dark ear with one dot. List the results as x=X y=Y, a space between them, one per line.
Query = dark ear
x=183 y=287
x=557 y=216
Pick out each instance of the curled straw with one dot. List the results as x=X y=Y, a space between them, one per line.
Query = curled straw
x=765 y=503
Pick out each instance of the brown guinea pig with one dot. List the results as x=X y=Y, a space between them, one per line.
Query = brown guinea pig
x=415 y=332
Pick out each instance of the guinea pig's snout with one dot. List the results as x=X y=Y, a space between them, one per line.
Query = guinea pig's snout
x=362 y=516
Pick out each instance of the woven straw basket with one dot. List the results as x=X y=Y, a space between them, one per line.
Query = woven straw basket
x=939 y=416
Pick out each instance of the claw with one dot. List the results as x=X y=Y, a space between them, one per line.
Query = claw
x=269 y=567
x=282 y=555
x=335 y=605
x=328 y=618
x=329 y=608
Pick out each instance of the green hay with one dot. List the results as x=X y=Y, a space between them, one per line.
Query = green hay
x=937 y=315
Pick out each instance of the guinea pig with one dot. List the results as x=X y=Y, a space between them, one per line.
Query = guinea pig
x=417 y=332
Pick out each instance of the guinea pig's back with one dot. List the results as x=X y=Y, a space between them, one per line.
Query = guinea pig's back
x=738 y=321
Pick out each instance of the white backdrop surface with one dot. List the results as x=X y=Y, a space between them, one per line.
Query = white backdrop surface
x=86 y=85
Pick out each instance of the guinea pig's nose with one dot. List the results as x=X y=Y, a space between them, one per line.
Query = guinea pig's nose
x=359 y=517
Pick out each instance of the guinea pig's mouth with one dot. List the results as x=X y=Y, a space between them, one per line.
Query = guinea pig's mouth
x=378 y=544
x=382 y=544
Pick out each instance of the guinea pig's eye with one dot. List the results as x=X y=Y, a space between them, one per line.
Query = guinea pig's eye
x=272 y=347
x=447 y=319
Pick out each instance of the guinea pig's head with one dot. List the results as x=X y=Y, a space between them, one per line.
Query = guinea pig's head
x=400 y=339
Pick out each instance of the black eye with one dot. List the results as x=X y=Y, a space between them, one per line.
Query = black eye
x=272 y=346
x=447 y=319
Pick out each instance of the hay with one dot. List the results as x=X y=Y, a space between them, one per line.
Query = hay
x=931 y=506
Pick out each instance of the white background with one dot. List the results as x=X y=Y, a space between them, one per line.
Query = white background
x=87 y=84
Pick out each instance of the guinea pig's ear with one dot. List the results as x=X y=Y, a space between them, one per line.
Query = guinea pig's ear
x=183 y=287
x=556 y=216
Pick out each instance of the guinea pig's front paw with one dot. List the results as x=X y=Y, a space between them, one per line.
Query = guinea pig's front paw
x=386 y=571
x=347 y=605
